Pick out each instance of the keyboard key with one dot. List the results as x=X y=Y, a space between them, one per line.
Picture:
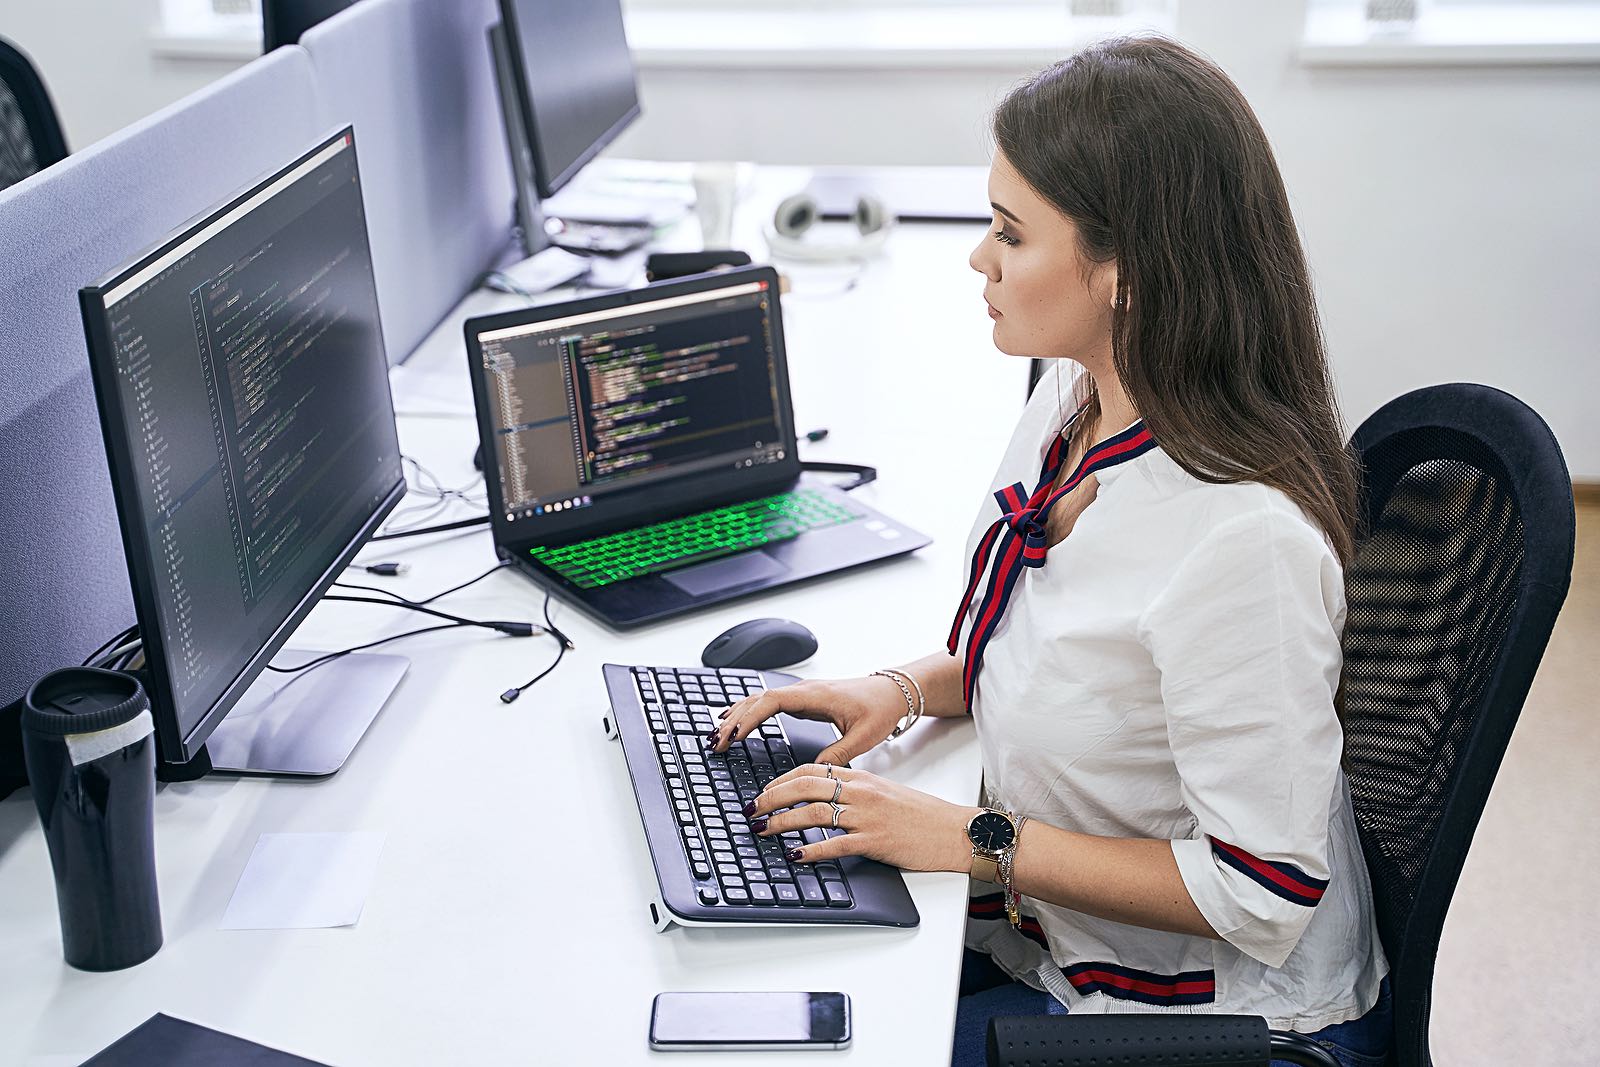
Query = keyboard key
x=731 y=869
x=838 y=895
x=701 y=869
x=761 y=893
x=810 y=890
x=785 y=893
x=707 y=894
x=736 y=896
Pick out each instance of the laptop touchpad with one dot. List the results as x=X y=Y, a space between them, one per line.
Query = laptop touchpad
x=746 y=567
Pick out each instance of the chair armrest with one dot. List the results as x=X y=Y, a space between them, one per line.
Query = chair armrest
x=1140 y=1040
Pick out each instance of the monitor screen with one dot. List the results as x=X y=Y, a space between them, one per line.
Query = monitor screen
x=599 y=404
x=244 y=396
x=575 y=75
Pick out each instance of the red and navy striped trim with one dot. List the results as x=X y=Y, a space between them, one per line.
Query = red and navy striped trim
x=1146 y=987
x=1112 y=979
x=1281 y=879
x=1017 y=539
x=993 y=907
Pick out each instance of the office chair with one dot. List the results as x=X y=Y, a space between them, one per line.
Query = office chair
x=1454 y=589
x=1036 y=369
x=30 y=132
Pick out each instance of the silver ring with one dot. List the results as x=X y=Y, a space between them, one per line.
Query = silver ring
x=830 y=771
x=837 y=808
x=838 y=787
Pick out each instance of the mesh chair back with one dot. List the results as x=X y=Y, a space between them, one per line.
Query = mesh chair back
x=30 y=132
x=1452 y=596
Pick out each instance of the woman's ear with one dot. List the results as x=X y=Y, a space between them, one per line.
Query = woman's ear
x=1108 y=283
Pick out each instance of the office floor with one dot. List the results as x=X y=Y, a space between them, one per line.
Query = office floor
x=1520 y=957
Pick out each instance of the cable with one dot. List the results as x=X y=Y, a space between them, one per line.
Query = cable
x=511 y=694
x=320 y=660
x=121 y=636
x=425 y=600
x=863 y=473
x=460 y=524
x=510 y=629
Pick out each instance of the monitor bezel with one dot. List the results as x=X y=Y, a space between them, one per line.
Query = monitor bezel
x=545 y=183
x=662 y=500
x=173 y=744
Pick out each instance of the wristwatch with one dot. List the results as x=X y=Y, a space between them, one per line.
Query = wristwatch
x=993 y=834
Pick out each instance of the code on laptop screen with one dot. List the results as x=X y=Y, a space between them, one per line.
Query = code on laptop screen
x=614 y=400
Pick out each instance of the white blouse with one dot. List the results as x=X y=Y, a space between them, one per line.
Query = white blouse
x=1169 y=673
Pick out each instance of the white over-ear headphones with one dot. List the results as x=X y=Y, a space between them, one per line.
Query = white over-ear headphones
x=786 y=235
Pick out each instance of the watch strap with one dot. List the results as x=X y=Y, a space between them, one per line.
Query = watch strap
x=986 y=867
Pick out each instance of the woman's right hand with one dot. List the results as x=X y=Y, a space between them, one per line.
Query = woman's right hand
x=864 y=710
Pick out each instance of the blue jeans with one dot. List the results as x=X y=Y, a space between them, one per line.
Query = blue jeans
x=988 y=992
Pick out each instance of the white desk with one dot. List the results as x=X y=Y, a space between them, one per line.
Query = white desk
x=507 y=923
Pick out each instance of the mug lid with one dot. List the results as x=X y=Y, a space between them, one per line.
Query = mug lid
x=81 y=700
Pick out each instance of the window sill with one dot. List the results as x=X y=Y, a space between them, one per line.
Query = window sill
x=209 y=46
x=888 y=37
x=1519 y=35
x=965 y=36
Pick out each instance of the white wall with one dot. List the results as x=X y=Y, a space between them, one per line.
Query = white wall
x=96 y=60
x=1449 y=212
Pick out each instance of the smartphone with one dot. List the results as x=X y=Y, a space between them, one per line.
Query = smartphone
x=749 y=1021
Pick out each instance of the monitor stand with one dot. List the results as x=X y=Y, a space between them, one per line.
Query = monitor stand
x=304 y=725
x=545 y=266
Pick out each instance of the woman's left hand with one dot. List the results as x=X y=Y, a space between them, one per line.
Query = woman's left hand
x=886 y=821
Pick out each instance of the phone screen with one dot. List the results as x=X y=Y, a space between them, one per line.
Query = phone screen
x=750 y=1019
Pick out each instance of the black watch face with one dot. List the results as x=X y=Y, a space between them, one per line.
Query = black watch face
x=991 y=831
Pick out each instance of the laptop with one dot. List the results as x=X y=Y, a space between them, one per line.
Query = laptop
x=639 y=451
x=711 y=869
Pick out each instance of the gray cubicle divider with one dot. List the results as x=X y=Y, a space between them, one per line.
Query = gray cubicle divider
x=414 y=79
x=63 y=579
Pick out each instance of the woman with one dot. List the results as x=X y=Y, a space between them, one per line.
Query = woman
x=1149 y=637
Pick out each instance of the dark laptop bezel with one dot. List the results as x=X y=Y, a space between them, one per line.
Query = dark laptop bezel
x=661 y=500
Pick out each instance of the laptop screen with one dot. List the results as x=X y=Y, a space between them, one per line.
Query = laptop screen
x=589 y=406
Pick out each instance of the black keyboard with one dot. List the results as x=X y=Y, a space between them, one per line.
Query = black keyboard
x=730 y=864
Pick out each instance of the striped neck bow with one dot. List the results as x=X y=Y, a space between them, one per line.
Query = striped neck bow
x=1017 y=538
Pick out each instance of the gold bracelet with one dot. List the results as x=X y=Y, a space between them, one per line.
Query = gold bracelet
x=1007 y=862
x=911 y=707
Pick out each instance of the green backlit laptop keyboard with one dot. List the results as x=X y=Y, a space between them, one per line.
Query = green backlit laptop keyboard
x=678 y=542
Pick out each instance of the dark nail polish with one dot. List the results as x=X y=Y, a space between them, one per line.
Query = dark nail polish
x=759 y=825
x=750 y=809
x=794 y=855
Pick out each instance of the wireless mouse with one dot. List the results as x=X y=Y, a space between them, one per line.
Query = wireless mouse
x=761 y=644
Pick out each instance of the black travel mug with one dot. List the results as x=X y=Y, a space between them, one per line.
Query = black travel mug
x=87 y=740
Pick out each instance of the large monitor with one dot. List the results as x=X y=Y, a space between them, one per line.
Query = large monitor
x=574 y=80
x=244 y=399
x=286 y=21
x=567 y=89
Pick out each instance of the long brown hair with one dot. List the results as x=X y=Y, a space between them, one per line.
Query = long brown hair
x=1153 y=153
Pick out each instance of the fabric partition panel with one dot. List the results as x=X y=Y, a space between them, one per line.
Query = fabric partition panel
x=64 y=587
x=415 y=80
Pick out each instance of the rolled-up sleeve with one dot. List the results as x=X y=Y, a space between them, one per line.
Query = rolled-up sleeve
x=1246 y=638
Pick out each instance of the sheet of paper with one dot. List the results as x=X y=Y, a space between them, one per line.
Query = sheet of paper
x=435 y=391
x=304 y=881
